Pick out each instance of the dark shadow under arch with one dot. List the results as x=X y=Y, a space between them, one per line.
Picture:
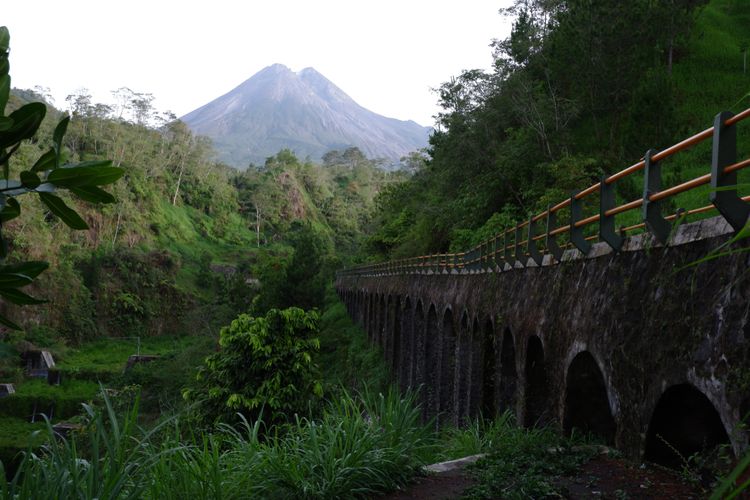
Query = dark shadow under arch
x=418 y=352
x=447 y=366
x=586 y=401
x=387 y=329
x=463 y=368
x=476 y=375
x=396 y=342
x=382 y=315
x=407 y=337
x=508 y=374
x=489 y=373
x=685 y=418
x=536 y=396
x=430 y=363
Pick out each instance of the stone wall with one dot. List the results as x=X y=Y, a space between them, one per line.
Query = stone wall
x=591 y=343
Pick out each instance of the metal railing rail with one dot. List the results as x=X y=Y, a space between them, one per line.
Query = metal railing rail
x=515 y=246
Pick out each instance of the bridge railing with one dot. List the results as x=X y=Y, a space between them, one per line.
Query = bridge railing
x=518 y=245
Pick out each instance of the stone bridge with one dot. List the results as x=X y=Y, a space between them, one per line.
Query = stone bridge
x=638 y=347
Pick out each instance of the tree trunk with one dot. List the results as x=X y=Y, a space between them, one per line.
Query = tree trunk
x=257 y=225
x=117 y=227
x=179 y=180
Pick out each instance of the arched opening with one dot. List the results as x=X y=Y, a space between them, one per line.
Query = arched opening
x=463 y=366
x=536 y=413
x=684 y=423
x=447 y=366
x=382 y=321
x=488 y=372
x=361 y=309
x=431 y=360
x=387 y=329
x=396 y=343
x=586 y=402
x=508 y=374
x=476 y=376
x=370 y=316
x=418 y=359
x=407 y=336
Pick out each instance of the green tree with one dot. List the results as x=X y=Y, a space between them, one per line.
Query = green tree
x=264 y=364
x=48 y=174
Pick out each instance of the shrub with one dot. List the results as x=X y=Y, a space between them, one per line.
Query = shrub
x=264 y=362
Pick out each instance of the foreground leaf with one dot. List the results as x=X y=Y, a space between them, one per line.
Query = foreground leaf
x=10 y=210
x=93 y=194
x=85 y=175
x=18 y=297
x=58 y=207
x=26 y=121
x=32 y=268
x=6 y=322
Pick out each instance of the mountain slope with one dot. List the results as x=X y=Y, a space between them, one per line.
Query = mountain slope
x=278 y=108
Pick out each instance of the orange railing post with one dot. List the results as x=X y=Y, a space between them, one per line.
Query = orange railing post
x=492 y=254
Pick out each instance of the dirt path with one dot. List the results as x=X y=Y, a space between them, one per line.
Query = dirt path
x=603 y=477
x=442 y=486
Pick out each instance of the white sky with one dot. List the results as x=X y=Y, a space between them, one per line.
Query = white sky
x=386 y=54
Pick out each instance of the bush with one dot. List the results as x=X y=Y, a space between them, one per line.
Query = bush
x=264 y=362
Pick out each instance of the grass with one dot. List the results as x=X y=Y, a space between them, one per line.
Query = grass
x=108 y=356
x=478 y=436
x=364 y=443
x=34 y=397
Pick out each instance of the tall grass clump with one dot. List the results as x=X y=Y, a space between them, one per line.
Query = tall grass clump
x=362 y=444
x=104 y=464
x=478 y=436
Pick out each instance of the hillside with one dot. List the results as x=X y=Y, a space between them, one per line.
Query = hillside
x=577 y=92
x=304 y=112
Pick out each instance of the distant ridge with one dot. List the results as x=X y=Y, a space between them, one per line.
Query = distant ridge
x=277 y=108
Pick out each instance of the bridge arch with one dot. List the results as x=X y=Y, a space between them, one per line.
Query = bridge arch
x=407 y=337
x=463 y=369
x=536 y=394
x=587 y=406
x=476 y=370
x=447 y=366
x=417 y=371
x=395 y=344
x=431 y=350
x=508 y=383
x=684 y=422
x=361 y=308
x=382 y=316
x=387 y=336
x=489 y=370
x=371 y=307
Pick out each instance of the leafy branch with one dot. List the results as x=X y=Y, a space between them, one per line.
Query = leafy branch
x=50 y=173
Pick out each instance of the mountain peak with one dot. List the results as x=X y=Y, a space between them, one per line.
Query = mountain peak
x=308 y=71
x=275 y=68
x=304 y=111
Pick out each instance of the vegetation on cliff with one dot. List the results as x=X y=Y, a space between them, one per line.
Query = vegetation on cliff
x=579 y=89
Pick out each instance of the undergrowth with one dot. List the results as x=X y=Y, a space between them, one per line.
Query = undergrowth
x=524 y=463
x=346 y=357
x=364 y=443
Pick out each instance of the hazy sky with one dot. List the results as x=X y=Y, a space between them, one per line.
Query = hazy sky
x=386 y=54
